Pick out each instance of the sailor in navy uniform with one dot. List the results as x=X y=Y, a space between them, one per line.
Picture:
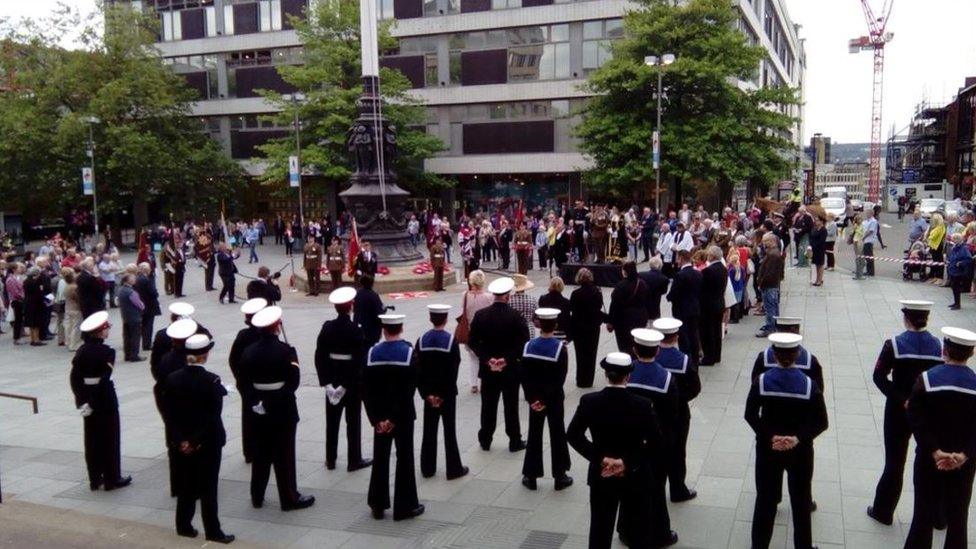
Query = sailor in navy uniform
x=245 y=337
x=786 y=410
x=805 y=360
x=339 y=353
x=651 y=381
x=161 y=343
x=903 y=358
x=176 y=333
x=941 y=409
x=95 y=398
x=438 y=359
x=685 y=372
x=389 y=383
x=272 y=368
x=543 y=372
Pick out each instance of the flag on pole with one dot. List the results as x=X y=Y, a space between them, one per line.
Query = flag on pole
x=520 y=214
x=353 y=248
x=223 y=221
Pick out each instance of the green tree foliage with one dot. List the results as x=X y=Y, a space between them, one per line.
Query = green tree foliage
x=712 y=131
x=147 y=147
x=331 y=81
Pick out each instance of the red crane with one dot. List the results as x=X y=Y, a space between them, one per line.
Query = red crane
x=876 y=40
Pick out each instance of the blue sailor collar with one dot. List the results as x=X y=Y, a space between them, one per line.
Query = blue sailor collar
x=672 y=359
x=804 y=360
x=436 y=340
x=950 y=378
x=650 y=376
x=785 y=382
x=918 y=345
x=390 y=353
x=543 y=348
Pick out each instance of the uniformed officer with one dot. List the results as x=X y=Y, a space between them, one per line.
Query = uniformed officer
x=805 y=360
x=272 y=368
x=194 y=400
x=903 y=358
x=685 y=372
x=580 y=222
x=339 y=365
x=313 y=265
x=786 y=410
x=161 y=343
x=245 y=337
x=498 y=335
x=177 y=333
x=651 y=381
x=437 y=263
x=438 y=359
x=335 y=262
x=941 y=410
x=624 y=433
x=389 y=384
x=523 y=249
x=95 y=398
x=543 y=372
x=599 y=231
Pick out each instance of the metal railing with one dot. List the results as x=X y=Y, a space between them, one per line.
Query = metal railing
x=33 y=401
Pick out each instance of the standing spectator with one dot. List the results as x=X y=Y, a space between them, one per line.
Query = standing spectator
x=856 y=238
x=150 y=298
x=413 y=229
x=628 y=307
x=831 y=240
x=871 y=237
x=586 y=309
x=555 y=299
x=633 y=238
x=367 y=308
x=648 y=223
x=715 y=278
x=960 y=262
x=15 y=299
x=72 y=313
x=59 y=303
x=252 y=238
x=737 y=277
x=770 y=275
x=279 y=229
x=523 y=303
x=936 y=239
x=289 y=238
x=447 y=238
x=818 y=249
x=132 y=309
x=665 y=249
x=542 y=246
x=684 y=295
x=91 y=293
x=34 y=307
x=657 y=285
x=475 y=298
x=108 y=269
x=226 y=269
x=802 y=225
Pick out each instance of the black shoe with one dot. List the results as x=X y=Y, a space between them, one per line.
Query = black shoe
x=940 y=523
x=361 y=464
x=951 y=307
x=378 y=514
x=120 y=483
x=427 y=475
x=303 y=502
x=563 y=482
x=516 y=446
x=37 y=344
x=669 y=541
x=529 y=482
x=687 y=496
x=813 y=506
x=247 y=459
x=136 y=359
x=95 y=485
x=330 y=465
x=876 y=516
x=190 y=532
x=461 y=472
x=415 y=512
x=221 y=538
x=257 y=503
x=485 y=445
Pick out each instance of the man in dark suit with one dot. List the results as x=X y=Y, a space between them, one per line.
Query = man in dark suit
x=685 y=291
x=366 y=263
x=91 y=292
x=150 y=298
x=714 y=280
x=367 y=308
x=657 y=286
x=226 y=269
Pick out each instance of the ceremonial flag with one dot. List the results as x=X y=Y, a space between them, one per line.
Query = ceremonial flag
x=223 y=222
x=520 y=214
x=353 y=248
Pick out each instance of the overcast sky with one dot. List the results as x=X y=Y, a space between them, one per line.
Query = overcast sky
x=933 y=50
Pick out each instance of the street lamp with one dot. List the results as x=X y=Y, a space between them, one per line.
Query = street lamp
x=296 y=99
x=660 y=63
x=92 y=120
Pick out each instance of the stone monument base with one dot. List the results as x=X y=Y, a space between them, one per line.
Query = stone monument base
x=400 y=279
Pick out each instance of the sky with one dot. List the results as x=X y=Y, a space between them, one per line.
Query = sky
x=933 y=50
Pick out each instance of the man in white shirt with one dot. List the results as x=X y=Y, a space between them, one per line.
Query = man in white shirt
x=870 y=227
x=664 y=243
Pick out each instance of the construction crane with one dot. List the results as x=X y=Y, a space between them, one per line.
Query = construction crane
x=875 y=41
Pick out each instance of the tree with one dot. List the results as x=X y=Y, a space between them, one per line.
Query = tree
x=148 y=148
x=712 y=131
x=331 y=81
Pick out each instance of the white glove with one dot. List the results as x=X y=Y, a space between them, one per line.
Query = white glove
x=85 y=410
x=334 y=394
x=259 y=409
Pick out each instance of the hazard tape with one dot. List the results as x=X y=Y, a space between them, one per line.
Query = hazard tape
x=922 y=262
x=408 y=295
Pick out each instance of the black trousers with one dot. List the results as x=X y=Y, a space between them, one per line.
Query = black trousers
x=710 y=334
x=274 y=446
x=688 y=341
x=178 y=280
x=102 y=450
x=932 y=488
x=351 y=403
x=314 y=277
x=938 y=256
x=131 y=338
x=869 y=263
x=208 y=276
x=960 y=285
x=897 y=433
x=428 y=448
x=770 y=466
x=586 y=340
x=649 y=525
x=248 y=433
x=18 y=323
x=147 y=330
x=405 y=485
x=493 y=387
x=830 y=255
x=228 y=288
x=542 y=256
x=607 y=496
x=506 y=254
x=647 y=244
x=198 y=473
x=553 y=414
x=625 y=341
x=677 y=468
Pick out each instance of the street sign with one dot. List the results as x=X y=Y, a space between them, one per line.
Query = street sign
x=909 y=176
x=893 y=191
x=657 y=149
x=87 y=181
x=294 y=175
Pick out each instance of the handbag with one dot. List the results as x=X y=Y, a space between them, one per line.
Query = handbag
x=463 y=329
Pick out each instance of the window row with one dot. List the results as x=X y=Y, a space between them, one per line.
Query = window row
x=519 y=110
x=238 y=18
x=387 y=9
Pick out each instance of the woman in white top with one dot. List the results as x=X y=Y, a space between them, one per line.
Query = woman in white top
x=108 y=268
x=475 y=299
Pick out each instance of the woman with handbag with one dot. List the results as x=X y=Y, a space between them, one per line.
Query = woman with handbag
x=475 y=299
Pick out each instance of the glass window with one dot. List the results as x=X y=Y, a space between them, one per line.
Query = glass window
x=231 y=83
x=172 y=26
x=477 y=112
x=384 y=9
x=475 y=40
x=210 y=17
x=561 y=66
x=559 y=33
x=615 y=28
x=497 y=38
x=228 y=19
x=455 y=67
x=457 y=113
x=265 y=16
x=527 y=35
x=276 y=14
x=237 y=122
x=591 y=55
x=523 y=62
x=430 y=7
x=592 y=30
x=560 y=107
x=453 y=6
x=431 y=78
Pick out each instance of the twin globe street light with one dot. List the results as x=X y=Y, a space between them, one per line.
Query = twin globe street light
x=660 y=63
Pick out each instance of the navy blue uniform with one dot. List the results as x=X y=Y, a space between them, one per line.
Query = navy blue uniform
x=244 y=339
x=685 y=372
x=806 y=362
x=339 y=362
x=438 y=359
x=91 y=383
x=543 y=371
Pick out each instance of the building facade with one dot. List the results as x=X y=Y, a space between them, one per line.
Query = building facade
x=501 y=80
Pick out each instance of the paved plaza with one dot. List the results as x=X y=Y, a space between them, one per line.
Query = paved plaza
x=845 y=322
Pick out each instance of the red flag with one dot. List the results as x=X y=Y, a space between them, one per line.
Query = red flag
x=520 y=214
x=353 y=248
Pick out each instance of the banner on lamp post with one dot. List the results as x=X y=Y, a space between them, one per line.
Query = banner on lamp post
x=294 y=174
x=656 y=141
x=87 y=181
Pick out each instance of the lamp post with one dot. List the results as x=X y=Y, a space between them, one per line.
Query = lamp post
x=659 y=63
x=296 y=99
x=92 y=120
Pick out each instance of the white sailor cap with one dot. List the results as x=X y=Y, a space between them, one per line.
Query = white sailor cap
x=266 y=317
x=783 y=340
x=501 y=286
x=788 y=321
x=252 y=306
x=94 y=322
x=667 y=326
x=391 y=319
x=438 y=308
x=547 y=313
x=181 y=308
x=182 y=329
x=647 y=337
x=198 y=344
x=916 y=305
x=960 y=336
x=343 y=295
x=618 y=362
